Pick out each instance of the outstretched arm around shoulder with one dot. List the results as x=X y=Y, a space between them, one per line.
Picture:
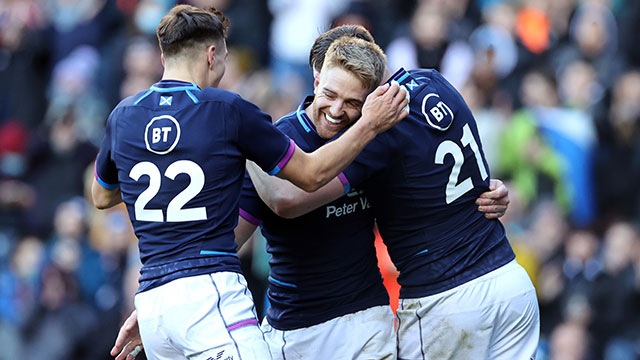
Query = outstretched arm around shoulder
x=287 y=200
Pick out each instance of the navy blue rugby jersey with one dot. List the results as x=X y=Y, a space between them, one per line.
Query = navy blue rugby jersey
x=423 y=177
x=323 y=264
x=178 y=155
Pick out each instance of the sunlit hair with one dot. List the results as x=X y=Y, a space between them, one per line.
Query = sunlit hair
x=186 y=26
x=362 y=58
x=324 y=41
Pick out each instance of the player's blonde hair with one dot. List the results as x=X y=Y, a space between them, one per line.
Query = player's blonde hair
x=324 y=41
x=362 y=58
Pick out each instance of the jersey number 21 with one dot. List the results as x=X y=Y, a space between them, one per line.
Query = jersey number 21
x=455 y=188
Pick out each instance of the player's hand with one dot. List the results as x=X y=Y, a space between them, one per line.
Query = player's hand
x=385 y=106
x=128 y=343
x=494 y=203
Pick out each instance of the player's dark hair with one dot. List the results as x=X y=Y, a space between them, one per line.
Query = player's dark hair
x=324 y=41
x=185 y=26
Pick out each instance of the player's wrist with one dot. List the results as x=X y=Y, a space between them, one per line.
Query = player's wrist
x=367 y=127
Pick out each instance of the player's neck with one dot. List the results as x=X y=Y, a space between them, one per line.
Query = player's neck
x=183 y=73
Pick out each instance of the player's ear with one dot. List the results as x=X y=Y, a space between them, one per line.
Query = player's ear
x=211 y=56
x=316 y=79
x=162 y=59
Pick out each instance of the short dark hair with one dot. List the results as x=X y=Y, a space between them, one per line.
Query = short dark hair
x=324 y=41
x=185 y=26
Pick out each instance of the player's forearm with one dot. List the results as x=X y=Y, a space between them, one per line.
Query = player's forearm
x=104 y=198
x=329 y=160
x=287 y=200
x=243 y=231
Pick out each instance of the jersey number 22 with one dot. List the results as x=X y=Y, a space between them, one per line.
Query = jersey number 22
x=175 y=212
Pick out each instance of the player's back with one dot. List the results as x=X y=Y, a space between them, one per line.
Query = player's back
x=180 y=153
x=426 y=173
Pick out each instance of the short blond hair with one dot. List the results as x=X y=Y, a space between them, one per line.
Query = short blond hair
x=362 y=58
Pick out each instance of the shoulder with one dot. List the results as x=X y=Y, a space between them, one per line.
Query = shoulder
x=424 y=73
x=287 y=122
x=215 y=94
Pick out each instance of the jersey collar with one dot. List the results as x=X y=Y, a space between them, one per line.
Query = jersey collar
x=174 y=85
x=303 y=118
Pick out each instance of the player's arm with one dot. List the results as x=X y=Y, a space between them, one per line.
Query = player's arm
x=243 y=231
x=104 y=198
x=287 y=200
x=494 y=203
x=128 y=343
x=383 y=108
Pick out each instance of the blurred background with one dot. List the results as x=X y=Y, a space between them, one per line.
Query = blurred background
x=554 y=86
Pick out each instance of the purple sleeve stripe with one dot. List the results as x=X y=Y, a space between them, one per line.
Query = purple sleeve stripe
x=242 y=323
x=250 y=218
x=345 y=182
x=286 y=158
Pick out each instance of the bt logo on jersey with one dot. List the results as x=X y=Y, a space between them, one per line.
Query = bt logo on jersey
x=162 y=134
x=156 y=134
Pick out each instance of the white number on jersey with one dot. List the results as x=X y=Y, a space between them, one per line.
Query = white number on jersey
x=455 y=189
x=175 y=212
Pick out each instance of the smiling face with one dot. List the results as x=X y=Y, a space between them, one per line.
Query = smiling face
x=339 y=96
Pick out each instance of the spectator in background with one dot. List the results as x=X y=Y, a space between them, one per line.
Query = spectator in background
x=425 y=44
x=74 y=91
x=19 y=280
x=24 y=61
x=569 y=341
x=142 y=66
x=617 y=163
x=535 y=168
x=16 y=195
x=616 y=295
x=56 y=163
x=594 y=38
x=295 y=25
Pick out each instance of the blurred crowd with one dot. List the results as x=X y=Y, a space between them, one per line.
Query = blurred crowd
x=553 y=84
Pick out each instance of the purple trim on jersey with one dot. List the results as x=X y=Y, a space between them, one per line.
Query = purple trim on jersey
x=242 y=323
x=345 y=182
x=250 y=218
x=103 y=183
x=285 y=159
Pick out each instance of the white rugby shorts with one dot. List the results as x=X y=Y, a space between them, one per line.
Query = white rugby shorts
x=367 y=334
x=494 y=316
x=204 y=317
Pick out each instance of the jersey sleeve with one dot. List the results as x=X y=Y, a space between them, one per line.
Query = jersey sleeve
x=252 y=208
x=372 y=160
x=105 y=170
x=260 y=140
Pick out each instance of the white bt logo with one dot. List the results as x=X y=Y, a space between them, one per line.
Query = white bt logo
x=160 y=133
